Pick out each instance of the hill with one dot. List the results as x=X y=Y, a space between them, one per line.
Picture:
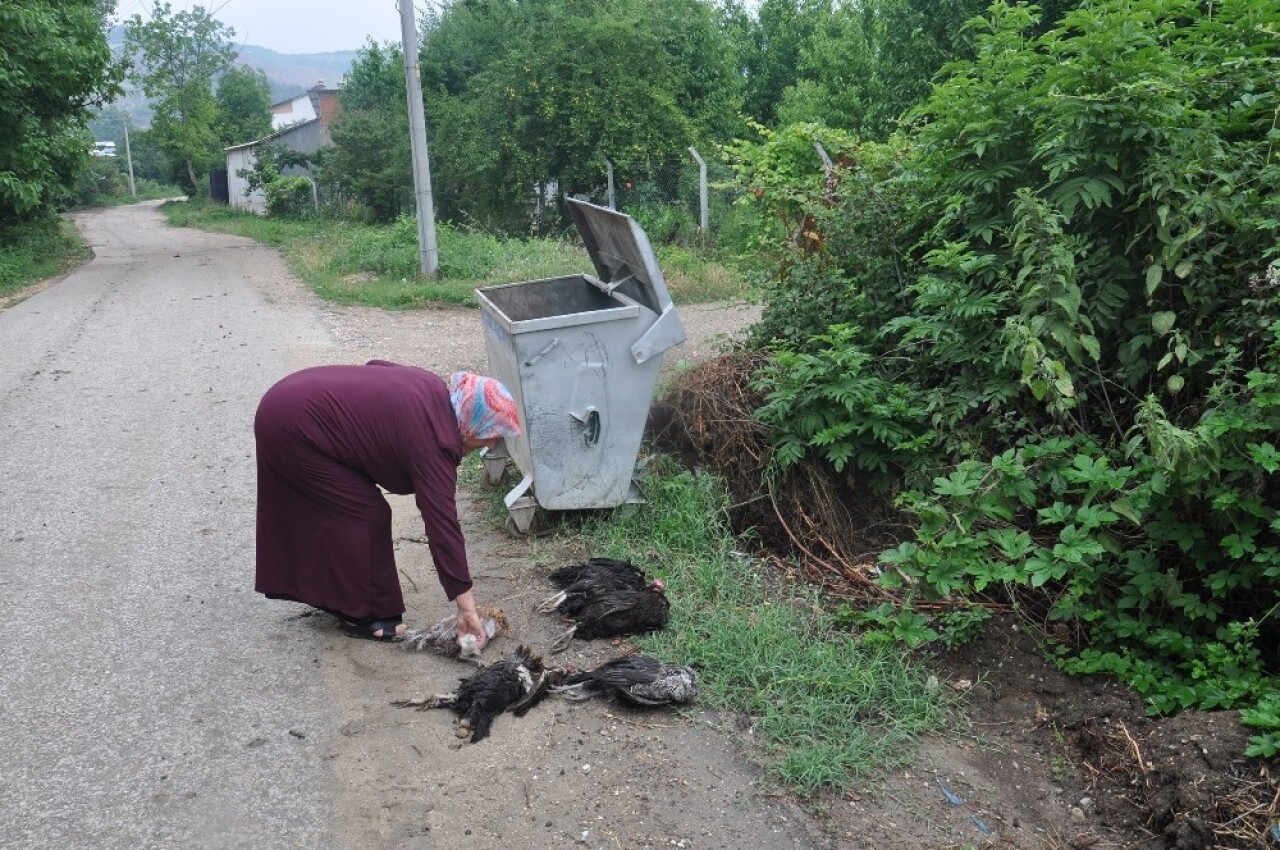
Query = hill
x=288 y=73
x=291 y=74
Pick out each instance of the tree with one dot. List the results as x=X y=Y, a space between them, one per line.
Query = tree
x=55 y=66
x=867 y=63
x=1048 y=310
x=370 y=160
x=176 y=57
x=521 y=95
x=244 y=105
x=782 y=32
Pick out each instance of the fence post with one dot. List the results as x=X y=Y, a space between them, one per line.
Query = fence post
x=608 y=169
x=702 y=190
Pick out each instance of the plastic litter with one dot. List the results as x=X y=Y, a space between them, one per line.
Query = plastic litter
x=951 y=796
x=954 y=799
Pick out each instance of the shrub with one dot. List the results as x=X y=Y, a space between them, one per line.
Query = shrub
x=1067 y=267
x=290 y=197
x=100 y=178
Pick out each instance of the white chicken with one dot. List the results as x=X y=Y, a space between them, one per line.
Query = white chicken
x=442 y=638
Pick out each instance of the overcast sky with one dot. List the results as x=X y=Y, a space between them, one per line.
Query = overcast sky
x=295 y=26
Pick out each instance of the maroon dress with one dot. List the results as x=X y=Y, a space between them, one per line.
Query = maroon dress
x=327 y=438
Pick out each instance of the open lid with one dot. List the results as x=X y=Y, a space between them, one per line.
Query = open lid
x=621 y=253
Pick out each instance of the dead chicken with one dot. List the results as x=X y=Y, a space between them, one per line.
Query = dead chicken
x=515 y=683
x=617 y=613
x=636 y=679
x=442 y=638
x=580 y=583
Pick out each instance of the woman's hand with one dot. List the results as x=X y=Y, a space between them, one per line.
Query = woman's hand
x=469 y=622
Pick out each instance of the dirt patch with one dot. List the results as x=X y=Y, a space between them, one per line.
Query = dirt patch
x=1046 y=762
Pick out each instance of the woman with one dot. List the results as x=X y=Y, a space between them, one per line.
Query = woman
x=327 y=438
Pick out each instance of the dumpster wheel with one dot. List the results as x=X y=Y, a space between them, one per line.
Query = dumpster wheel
x=520 y=516
x=521 y=505
x=495 y=464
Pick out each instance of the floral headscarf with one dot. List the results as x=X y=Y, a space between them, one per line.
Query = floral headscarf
x=484 y=407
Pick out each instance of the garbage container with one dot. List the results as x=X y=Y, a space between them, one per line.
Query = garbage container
x=580 y=355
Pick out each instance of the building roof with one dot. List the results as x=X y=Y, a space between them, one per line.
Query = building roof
x=325 y=107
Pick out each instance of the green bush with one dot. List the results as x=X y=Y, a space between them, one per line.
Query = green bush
x=290 y=197
x=101 y=178
x=391 y=251
x=1056 y=300
x=667 y=224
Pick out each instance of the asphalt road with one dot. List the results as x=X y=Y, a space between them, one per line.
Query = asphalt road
x=148 y=698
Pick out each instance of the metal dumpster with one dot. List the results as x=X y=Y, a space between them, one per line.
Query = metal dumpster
x=581 y=355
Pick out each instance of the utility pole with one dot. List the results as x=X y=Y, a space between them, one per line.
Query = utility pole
x=428 y=256
x=128 y=156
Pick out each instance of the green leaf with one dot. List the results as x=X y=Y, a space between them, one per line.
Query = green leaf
x=1265 y=455
x=1126 y=509
x=1090 y=344
x=1238 y=545
x=1154 y=274
x=957 y=484
x=1162 y=322
x=1263 y=746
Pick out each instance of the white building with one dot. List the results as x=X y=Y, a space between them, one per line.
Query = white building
x=307 y=106
x=293 y=131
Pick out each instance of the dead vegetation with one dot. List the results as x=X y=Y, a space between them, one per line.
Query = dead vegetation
x=1183 y=779
x=810 y=522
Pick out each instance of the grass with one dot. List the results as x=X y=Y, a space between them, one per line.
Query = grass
x=826 y=709
x=33 y=251
x=148 y=190
x=377 y=265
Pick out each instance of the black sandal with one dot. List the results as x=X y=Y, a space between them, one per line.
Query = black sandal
x=364 y=630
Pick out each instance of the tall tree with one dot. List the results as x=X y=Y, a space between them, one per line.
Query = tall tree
x=865 y=63
x=529 y=93
x=244 y=105
x=55 y=66
x=177 y=56
x=370 y=160
x=783 y=31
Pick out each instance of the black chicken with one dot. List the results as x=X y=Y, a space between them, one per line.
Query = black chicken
x=614 y=613
x=579 y=583
x=634 y=679
x=515 y=683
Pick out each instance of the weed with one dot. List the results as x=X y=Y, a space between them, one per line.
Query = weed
x=36 y=250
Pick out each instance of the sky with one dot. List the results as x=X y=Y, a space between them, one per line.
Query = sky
x=295 y=26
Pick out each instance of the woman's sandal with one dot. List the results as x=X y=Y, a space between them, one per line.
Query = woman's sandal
x=364 y=630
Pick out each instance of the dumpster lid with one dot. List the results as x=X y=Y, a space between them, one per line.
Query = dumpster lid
x=621 y=253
